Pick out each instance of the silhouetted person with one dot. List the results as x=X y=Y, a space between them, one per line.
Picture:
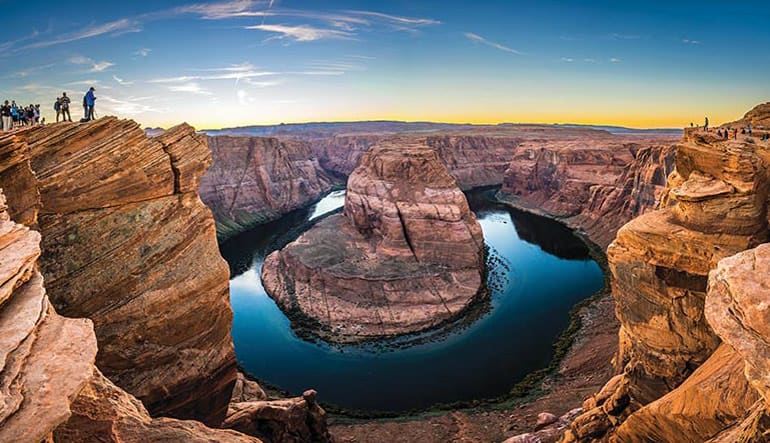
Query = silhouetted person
x=5 y=116
x=691 y=125
x=706 y=125
x=89 y=102
x=65 y=107
x=719 y=133
x=749 y=128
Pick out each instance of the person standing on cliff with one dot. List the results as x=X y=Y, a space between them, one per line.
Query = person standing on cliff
x=65 y=107
x=5 y=116
x=706 y=125
x=90 y=101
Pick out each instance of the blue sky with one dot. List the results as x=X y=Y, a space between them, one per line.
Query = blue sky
x=636 y=63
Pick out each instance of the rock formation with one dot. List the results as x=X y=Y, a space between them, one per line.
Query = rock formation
x=128 y=243
x=254 y=180
x=595 y=183
x=716 y=206
x=46 y=359
x=472 y=159
x=406 y=254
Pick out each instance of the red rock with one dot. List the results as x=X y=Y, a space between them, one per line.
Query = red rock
x=254 y=180
x=412 y=255
x=128 y=243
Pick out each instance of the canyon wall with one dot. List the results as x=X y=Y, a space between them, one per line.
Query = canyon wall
x=405 y=255
x=128 y=244
x=473 y=160
x=594 y=183
x=676 y=383
x=254 y=180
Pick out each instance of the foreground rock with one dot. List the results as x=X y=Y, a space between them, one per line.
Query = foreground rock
x=46 y=359
x=128 y=244
x=406 y=254
x=105 y=413
x=660 y=262
x=254 y=180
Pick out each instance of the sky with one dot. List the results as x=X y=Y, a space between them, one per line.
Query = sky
x=240 y=62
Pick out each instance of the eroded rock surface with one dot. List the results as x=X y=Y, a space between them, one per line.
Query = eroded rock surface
x=406 y=254
x=46 y=359
x=254 y=180
x=128 y=243
x=595 y=182
x=716 y=207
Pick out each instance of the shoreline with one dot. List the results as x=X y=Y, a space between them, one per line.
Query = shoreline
x=532 y=387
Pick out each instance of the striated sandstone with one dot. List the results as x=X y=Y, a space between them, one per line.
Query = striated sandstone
x=105 y=413
x=128 y=243
x=405 y=255
x=660 y=263
x=293 y=420
x=46 y=359
x=254 y=180
x=596 y=182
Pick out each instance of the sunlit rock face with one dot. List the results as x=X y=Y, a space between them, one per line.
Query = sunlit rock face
x=127 y=243
x=405 y=255
x=596 y=182
x=715 y=206
x=254 y=180
x=45 y=359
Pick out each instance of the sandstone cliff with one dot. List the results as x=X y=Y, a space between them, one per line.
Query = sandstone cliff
x=716 y=206
x=473 y=160
x=406 y=254
x=46 y=359
x=596 y=182
x=254 y=180
x=128 y=243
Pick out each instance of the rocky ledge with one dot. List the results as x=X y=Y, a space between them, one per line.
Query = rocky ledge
x=255 y=180
x=405 y=255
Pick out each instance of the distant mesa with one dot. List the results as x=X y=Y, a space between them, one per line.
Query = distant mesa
x=404 y=256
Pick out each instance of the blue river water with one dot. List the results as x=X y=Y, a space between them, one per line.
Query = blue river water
x=538 y=270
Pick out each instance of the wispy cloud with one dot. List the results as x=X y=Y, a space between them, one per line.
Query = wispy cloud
x=237 y=72
x=222 y=10
x=615 y=60
x=143 y=52
x=396 y=19
x=589 y=60
x=95 y=66
x=567 y=59
x=302 y=33
x=479 y=39
x=121 y=82
x=690 y=42
x=116 y=27
x=129 y=106
x=192 y=88
x=617 y=36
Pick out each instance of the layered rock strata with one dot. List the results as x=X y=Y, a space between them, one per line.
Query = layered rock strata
x=255 y=180
x=596 y=184
x=128 y=243
x=405 y=255
x=46 y=359
x=717 y=206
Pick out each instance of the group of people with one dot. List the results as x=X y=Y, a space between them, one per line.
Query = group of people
x=725 y=133
x=62 y=107
x=13 y=115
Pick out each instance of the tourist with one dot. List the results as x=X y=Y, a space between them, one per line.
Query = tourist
x=90 y=102
x=691 y=124
x=735 y=134
x=65 y=107
x=57 y=108
x=5 y=116
x=719 y=133
x=14 y=113
x=743 y=131
x=749 y=128
x=706 y=125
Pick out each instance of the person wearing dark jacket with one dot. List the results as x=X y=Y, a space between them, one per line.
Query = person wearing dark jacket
x=65 y=107
x=89 y=101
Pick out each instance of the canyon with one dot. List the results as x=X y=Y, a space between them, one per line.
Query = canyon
x=405 y=255
x=114 y=299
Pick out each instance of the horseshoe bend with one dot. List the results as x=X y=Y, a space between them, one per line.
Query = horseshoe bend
x=384 y=222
